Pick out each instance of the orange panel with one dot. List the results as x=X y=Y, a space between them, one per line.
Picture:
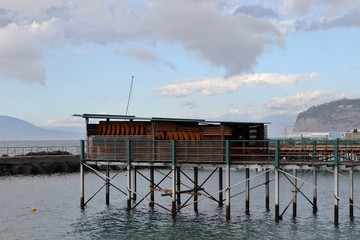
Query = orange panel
x=117 y=129
x=122 y=129
x=137 y=129
x=113 y=129
x=142 y=129
x=127 y=129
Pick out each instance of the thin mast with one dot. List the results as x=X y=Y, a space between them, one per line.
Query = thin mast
x=128 y=102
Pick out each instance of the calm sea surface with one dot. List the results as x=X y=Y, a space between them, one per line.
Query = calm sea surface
x=58 y=215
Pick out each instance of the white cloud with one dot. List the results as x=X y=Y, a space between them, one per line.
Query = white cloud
x=301 y=101
x=21 y=55
x=233 y=42
x=65 y=122
x=148 y=56
x=189 y=105
x=213 y=86
x=236 y=114
x=226 y=34
x=257 y=11
x=324 y=14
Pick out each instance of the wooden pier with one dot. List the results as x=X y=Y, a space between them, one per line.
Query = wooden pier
x=174 y=145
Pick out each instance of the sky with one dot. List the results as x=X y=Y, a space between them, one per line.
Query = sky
x=224 y=60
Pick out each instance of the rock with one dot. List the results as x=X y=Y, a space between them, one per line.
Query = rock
x=50 y=167
x=5 y=170
x=26 y=169
x=5 y=173
x=37 y=168
x=74 y=166
x=16 y=169
x=63 y=167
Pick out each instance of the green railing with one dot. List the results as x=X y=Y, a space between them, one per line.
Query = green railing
x=269 y=151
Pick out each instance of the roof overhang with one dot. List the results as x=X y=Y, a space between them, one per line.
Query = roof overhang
x=158 y=119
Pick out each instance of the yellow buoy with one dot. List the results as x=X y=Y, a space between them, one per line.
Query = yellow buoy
x=33 y=209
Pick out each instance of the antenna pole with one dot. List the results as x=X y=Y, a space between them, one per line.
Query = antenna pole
x=128 y=102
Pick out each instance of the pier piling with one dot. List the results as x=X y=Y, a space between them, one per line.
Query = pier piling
x=351 y=194
x=227 y=156
x=247 y=190
x=277 y=196
x=178 y=186
x=82 y=177
x=315 y=189
x=134 y=185
x=295 y=191
x=267 y=190
x=196 y=177
x=152 y=186
x=220 y=169
x=129 y=190
x=173 y=169
x=107 y=183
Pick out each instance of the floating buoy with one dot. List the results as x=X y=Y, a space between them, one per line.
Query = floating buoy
x=33 y=209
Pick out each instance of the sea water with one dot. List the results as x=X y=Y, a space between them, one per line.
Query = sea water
x=56 y=201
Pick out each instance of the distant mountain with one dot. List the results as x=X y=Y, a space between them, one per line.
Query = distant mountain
x=15 y=129
x=336 y=116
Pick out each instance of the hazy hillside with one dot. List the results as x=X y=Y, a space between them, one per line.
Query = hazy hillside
x=16 y=129
x=337 y=116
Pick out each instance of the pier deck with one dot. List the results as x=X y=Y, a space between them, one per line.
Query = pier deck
x=263 y=155
x=172 y=144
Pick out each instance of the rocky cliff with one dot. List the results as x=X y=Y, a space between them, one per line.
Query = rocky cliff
x=337 y=116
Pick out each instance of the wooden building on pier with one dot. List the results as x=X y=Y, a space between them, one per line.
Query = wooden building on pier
x=172 y=128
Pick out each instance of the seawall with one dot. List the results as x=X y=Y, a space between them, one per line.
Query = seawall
x=39 y=164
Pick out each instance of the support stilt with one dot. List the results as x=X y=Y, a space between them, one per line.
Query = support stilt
x=315 y=208
x=227 y=180
x=336 y=182
x=267 y=190
x=152 y=195
x=220 y=187
x=178 y=186
x=277 y=199
x=173 y=168
x=247 y=190
x=82 y=177
x=351 y=194
x=107 y=181
x=336 y=195
x=277 y=185
x=295 y=194
x=129 y=191
x=196 y=177
x=134 y=183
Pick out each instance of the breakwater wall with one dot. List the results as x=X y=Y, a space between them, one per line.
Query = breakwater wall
x=38 y=164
